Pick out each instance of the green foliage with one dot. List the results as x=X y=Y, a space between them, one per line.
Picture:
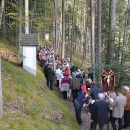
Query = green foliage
x=22 y=81
x=33 y=110
x=52 y=127
x=63 y=127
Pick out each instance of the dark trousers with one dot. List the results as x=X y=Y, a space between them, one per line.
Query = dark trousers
x=90 y=107
x=51 y=84
x=126 y=118
x=43 y=62
x=47 y=82
x=100 y=126
x=65 y=94
x=57 y=83
x=75 y=93
x=78 y=110
x=80 y=90
x=113 y=120
x=110 y=115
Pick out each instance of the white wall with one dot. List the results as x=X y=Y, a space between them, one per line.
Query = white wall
x=29 y=60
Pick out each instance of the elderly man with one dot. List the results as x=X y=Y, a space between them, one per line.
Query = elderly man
x=100 y=112
x=127 y=108
x=118 y=109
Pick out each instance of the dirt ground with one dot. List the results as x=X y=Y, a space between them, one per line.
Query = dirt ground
x=85 y=115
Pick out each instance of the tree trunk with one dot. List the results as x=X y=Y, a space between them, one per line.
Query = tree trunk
x=125 y=30
x=99 y=38
x=72 y=32
x=20 y=22
x=73 y=37
x=112 y=22
x=63 y=30
x=2 y=10
x=4 y=25
x=45 y=21
x=69 y=43
x=99 y=41
x=55 y=15
x=32 y=16
x=26 y=17
x=119 y=45
x=93 y=34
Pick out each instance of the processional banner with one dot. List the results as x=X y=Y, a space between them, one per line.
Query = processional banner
x=108 y=80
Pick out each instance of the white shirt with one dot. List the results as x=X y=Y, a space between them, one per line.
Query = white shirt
x=58 y=72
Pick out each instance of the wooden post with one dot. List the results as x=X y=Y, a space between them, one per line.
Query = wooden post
x=1 y=102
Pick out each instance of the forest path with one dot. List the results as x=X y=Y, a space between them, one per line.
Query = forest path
x=86 y=117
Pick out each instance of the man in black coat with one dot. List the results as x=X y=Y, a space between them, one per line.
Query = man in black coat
x=46 y=74
x=51 y=75
x=100 y=112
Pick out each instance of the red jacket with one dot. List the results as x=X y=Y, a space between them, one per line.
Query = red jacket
x=67 y=71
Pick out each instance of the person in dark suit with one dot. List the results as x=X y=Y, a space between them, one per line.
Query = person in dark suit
x=100 y=112
x=46 y=74
x=51 y=75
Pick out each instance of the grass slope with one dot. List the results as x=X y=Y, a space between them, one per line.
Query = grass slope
x=27 y=106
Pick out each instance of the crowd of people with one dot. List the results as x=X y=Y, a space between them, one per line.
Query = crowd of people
x=103 y=106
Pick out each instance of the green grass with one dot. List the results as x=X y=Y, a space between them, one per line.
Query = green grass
x=8 y=46
x=25 y=104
